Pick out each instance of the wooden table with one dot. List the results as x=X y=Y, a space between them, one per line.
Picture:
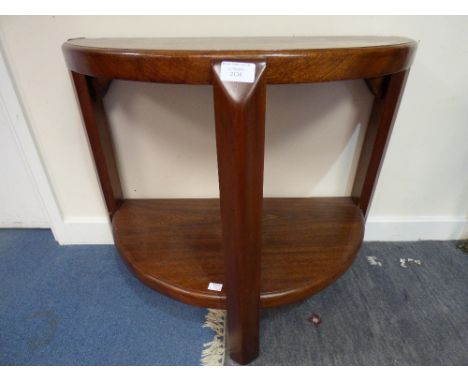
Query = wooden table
x=261 y=252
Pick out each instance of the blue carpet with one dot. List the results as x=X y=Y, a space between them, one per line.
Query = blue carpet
x=80 y=305
x=381 y=314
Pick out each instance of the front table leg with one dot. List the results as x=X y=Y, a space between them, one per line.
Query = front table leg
x=240 y=141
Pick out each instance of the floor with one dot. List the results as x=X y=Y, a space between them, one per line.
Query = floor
x=79 y=305
x=399 y=304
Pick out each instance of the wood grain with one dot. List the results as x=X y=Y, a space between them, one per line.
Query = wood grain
x=240 y=140
x=288 y=59
x=375 y=143
x=174 y=246
x=90 y=92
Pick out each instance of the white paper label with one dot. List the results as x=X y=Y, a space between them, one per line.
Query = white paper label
x=237 y=71
x=215 y=286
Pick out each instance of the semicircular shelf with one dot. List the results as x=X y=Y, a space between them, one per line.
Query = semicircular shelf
x=174 y=246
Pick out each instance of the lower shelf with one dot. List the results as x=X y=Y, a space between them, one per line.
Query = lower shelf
x=174 y=246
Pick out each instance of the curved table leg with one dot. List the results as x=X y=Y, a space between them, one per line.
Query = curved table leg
x=240 y=137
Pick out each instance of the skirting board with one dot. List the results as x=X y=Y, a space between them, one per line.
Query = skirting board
x=98 y=231
x=416 y=228
x=21 y=224
x=80 y=231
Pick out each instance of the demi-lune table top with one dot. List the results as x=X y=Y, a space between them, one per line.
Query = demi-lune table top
x=206 y=44
x=289 y=59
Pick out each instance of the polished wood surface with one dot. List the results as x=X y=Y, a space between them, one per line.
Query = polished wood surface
x=265 y=252
x=240 y=140
x=383 y=114
x=174 y=246
x=223 y=44
x=289 y=59
x=90 y=92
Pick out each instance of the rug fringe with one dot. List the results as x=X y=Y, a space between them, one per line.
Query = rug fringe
x=213 y=352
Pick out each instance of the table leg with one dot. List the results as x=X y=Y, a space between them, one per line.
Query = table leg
x=240 y=140
x=388 y=91
x=90 y=92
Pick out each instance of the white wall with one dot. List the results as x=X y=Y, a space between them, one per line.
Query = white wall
x=165 y=134
x=21 y=205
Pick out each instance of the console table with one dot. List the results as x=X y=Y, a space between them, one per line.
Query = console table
x=241 y=252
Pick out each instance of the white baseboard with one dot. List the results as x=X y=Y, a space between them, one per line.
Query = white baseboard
x=22 y=224
x=80 y=231
x=416 y=228
x=98 y=231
